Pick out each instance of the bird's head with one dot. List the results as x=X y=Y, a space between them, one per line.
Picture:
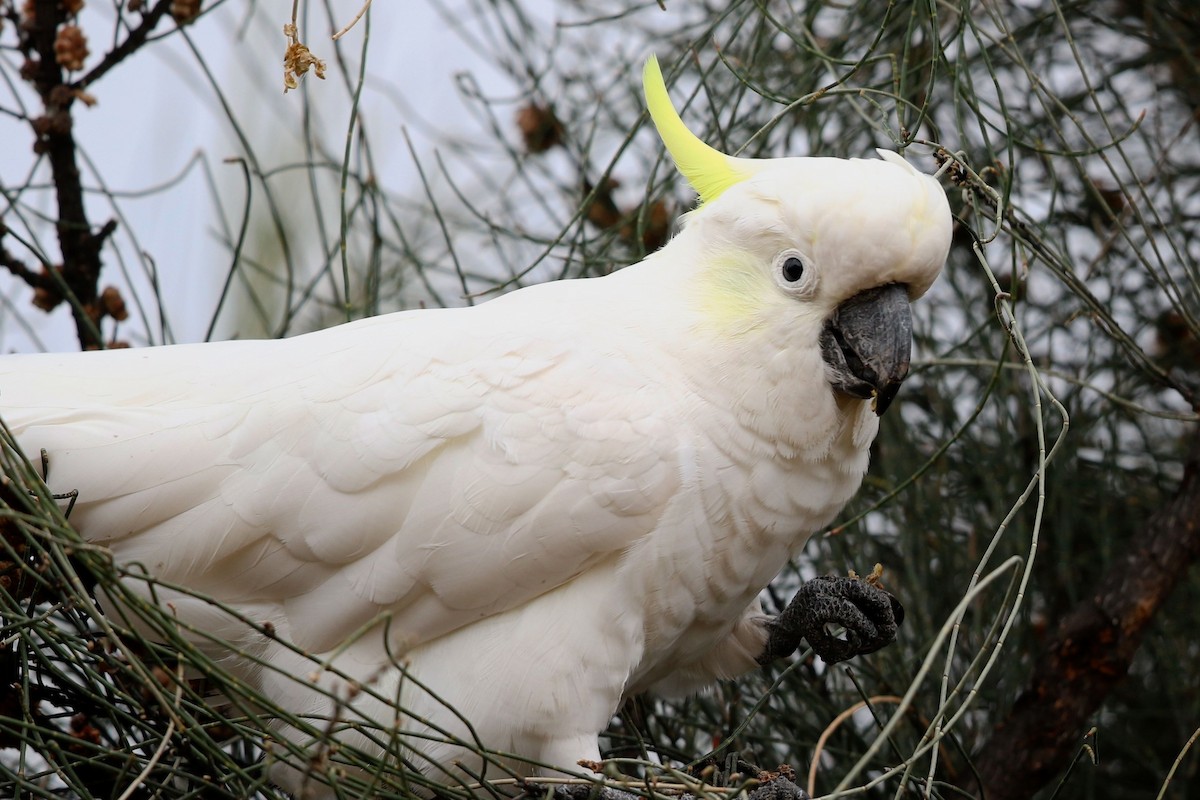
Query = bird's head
x=832 y=250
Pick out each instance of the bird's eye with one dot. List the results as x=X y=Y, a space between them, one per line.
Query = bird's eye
x=795 y=274
x=792 y=269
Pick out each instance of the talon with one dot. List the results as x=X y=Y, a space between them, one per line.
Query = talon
x=779 y=787
x=897 y=609
x=869 y=615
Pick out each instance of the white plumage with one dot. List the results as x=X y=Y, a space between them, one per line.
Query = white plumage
x=563 y=496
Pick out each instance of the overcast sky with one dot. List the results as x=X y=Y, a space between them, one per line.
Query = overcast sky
x=158 y=113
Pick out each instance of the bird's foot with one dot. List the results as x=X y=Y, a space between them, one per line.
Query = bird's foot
x=771 y=786
x=869 y=615
x=776 y=784
x=779 y=787
x=587 y=791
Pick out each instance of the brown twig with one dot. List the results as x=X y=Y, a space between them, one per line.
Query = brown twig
x=822 y=741
x=54 y=129
x=35 y=280
x=136 y=38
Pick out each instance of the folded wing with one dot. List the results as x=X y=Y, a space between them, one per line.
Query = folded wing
x=409 y=463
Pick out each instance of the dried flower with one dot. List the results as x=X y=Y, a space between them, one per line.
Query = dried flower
x=82 y=728
x=603 y=211
x=658 y=227
x=70 y=47
x=185 y=11
x=605 y=214
x=540 y=128
x=113 y=304
x=47 y=297
x=72 y=7
x=297 y=60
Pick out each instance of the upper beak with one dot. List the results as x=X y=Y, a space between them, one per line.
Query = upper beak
x=867 y=344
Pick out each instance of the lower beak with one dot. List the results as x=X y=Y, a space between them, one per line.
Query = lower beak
x=867 y=344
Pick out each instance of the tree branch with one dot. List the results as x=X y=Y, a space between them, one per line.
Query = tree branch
x=1092 y=649
x=55 y=138
x=136 y=38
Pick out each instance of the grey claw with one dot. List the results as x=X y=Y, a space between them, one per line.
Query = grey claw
x=870 y=616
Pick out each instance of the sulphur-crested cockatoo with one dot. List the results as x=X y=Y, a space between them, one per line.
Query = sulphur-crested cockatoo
x=547 y=503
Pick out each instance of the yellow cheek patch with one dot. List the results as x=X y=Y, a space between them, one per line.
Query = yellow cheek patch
x=733 y=295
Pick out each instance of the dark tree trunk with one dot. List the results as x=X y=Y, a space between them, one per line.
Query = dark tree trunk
x=77 y=279
x=1092 y=649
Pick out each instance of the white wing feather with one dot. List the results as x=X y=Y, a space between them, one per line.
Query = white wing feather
x=427 y=463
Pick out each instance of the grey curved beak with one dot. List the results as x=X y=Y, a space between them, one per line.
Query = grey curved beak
x=867 y=344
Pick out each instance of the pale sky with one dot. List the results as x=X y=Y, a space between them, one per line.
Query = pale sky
x=157 y=113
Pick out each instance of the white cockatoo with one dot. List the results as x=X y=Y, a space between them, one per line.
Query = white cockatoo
x=526 y=510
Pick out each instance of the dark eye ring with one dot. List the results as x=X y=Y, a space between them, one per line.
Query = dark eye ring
x=793 y=269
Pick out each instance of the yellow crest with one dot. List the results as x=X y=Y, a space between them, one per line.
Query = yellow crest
x=709 y=171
